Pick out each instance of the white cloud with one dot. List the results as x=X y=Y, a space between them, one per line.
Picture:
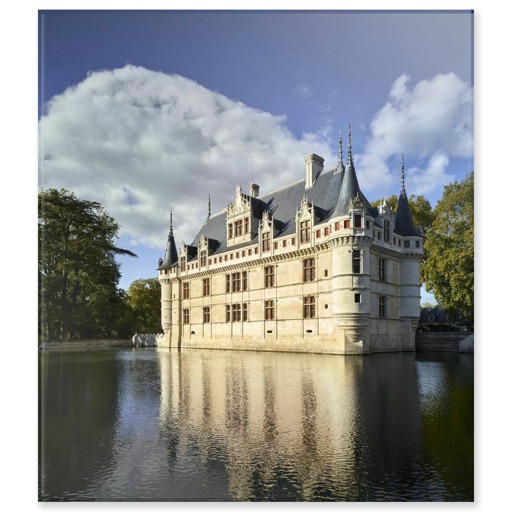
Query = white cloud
x=141 y=142
x=431 y=121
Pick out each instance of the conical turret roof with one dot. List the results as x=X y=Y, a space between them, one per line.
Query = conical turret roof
x=171 y=254
x=404 y=223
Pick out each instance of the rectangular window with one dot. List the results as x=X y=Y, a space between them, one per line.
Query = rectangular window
x=378 y=235
x=356 y=261
x=186 y=290
x=269 y=310
x=357 y=298
x=243 y=254
x=386 y=231
x=367 y=224
x=265 y=242
x=244 y=280
x=309 y=307
x=255 y=250
x=318 y=233
x=382 y=306
x=238 y=227
x=275 y=245
x=305 y=231
x=417 y=244
x=228 y=283
x=269 y=277
x=407 y=244
x=245 y=315
x=284 y=243
x=308 y=270
x=228 y=313
x=236 y=315
x=346 y=224
x=206 y=287
x=206 y=315
x=183 y=263
x=250 y=252
x=230 y=231
x=246 y=220
x=293 y=241
x=336 y=226
x=326 y=231
x=382 y=269
x=235 y=281
x=203 y=258
x=357 y=221
x=186 y=316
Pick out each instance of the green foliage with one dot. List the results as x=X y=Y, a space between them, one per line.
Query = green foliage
x=448 y=270
x=144 y=299
x=421 y=209
x=78 y=274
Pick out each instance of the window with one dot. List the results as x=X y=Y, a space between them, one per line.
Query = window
x=246 y=221
x=244 y=312
x=275 y=246
x=269 y=277
x=357 y=298
x=293 y=241
x=269 y=310
x=243 y=254
x=238 y=227
x=244 y=280
x=206 y=315
x=206 y=287
x=357 y=221
x=382 y=269
x=417 y=244
x=382 y=306
x=356 y=261
x=305 y=231
x=318 y=233
x=346 y=224
x=183 y=263
x=236 y=313
x=284 y=243
x=378 y=235
x=336 y=226
x=203 y=258
x=265 y=242
x=186 y=316
x=228 y=283
x=386 y=231
x=309 y=307
x=186 y=290
x=230 y=231
x=367 y=224
x=308 y=270
x=326 y=231
x=250 y=252
x=228 y=313
x=235 y=282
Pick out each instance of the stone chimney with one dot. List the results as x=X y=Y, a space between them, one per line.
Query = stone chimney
x=314 y=166
x=254 y=190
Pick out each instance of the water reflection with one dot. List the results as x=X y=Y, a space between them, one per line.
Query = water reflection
x=218 y=425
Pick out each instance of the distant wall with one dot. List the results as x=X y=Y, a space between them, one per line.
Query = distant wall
x=439 y=341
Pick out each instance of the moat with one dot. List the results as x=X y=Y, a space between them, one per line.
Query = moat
x=163 y=425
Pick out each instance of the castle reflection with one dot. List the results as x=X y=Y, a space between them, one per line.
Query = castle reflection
x=290 y=426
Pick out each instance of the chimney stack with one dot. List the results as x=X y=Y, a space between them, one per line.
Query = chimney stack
x=254 y=190
x=314 y=166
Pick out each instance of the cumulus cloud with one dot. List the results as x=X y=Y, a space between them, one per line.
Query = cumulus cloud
x=142 y=142
x=431 y=122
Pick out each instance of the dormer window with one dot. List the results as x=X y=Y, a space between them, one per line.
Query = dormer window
x=305 y=231
x=183 y=263
x=239 y=227
x=387 y=231
x=265 y=242
x=203 y=258
x=357 y=221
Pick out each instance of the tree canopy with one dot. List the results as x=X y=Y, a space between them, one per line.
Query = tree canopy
x=144 y=299
x=448 y=270
x=78 y=273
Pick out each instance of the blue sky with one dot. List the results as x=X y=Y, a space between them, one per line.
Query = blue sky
x=146 y=111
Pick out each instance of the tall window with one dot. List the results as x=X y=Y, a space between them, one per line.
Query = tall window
x=228 y=283
x=183 y=263
x=230 y=230
x=238 y=227
x=246 y=221
x=244 y=280
x=186 y=290
x=269 y=277
x=203 y=259
x=309 y=307
x=206 y=286
x=382 y=306
x=206 y=315
x=236 y=313
x=356 y=261
x=235 y=281
x=357 y=221
x=186 y=316
x=308 y=270
x=244 y=312
x=305 y=231
x=346 y=224
x=382 y=269
x=386 y=231
x=269 y=310
x=228 y=313
x=265 y=242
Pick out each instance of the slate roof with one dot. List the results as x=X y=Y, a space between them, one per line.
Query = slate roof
x=404 y=223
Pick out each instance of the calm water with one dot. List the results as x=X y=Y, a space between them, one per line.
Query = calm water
x=162 y=425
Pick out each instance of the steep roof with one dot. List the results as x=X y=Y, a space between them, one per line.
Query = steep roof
x=404 y=223
x=171 y=254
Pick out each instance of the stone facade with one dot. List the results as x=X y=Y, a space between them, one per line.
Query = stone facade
x=311 y=267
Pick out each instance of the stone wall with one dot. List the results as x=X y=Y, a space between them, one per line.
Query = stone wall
x=439 y=341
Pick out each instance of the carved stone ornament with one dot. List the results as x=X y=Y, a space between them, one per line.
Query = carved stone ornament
x=240 y=204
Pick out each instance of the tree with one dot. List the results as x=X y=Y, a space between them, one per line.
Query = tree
x=144 y=299
x=421 y=209
x=448 y=270
x=78 y=274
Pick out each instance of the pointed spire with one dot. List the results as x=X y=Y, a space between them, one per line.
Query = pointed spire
x=171 y=254
x=402 y=172
x=349 y=157
x=209 y=207
x=170 y=225
x=340 y=151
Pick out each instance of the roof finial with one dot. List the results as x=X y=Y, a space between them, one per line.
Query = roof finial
x=402 y=172
x=349 y=159
x=340 y=149
x=209 y=207
x=170 y=223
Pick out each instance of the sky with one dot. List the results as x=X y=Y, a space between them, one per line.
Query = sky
x=148 y=111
